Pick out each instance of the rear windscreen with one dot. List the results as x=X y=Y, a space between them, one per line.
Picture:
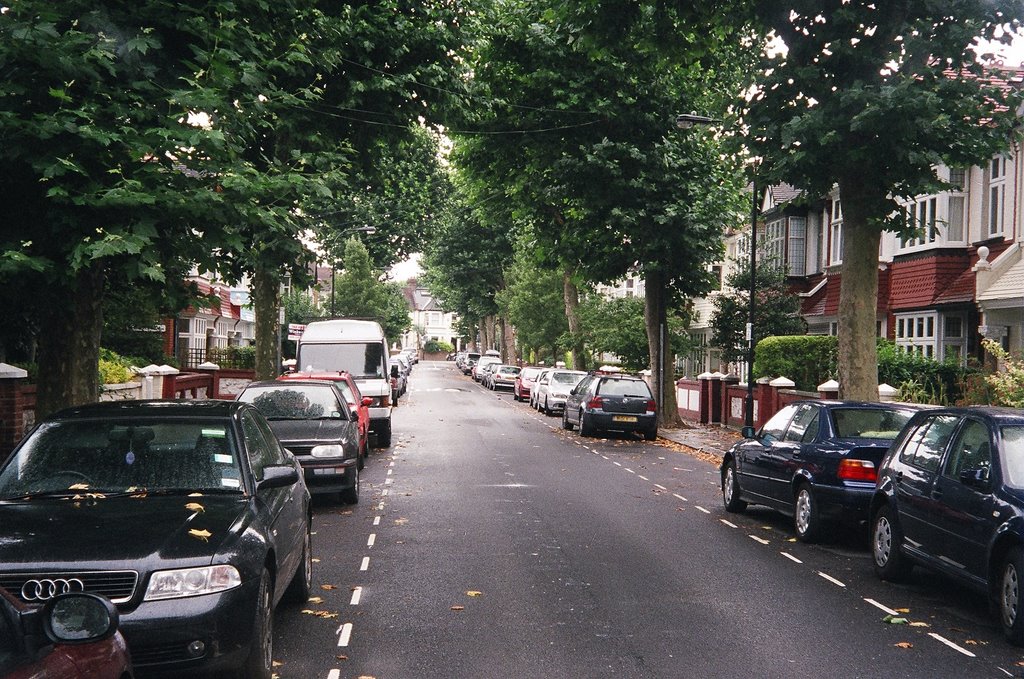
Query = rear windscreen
x=362 y=360
x=624 y=388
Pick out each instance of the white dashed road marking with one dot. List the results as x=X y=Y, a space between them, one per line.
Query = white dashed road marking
x=365 y=565
x=949 y=643
x=757 y=539
x=730 y=524
x=334 y=674
x=372 y=540
x=790 y=557
x=344 y=634
x=702 y=509
x=831 y=579
x=376 y=521
x=679 y=497
x=881 y=607
x=357 y=594
x=660 y=487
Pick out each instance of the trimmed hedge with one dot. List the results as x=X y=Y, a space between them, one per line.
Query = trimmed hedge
x=808 y=360
x=438 y=347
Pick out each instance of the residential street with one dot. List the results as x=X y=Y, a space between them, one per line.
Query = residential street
x=490 y=543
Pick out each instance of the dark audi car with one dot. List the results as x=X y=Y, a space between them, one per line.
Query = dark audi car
x=815 y=460
x=188 y=515
x=602 y=402
x=313 y=421
x=951 y=497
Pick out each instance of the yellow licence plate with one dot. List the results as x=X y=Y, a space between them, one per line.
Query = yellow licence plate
x=623 y=418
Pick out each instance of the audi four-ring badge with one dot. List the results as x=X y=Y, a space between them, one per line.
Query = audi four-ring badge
x=34 y=591
x=188 y=515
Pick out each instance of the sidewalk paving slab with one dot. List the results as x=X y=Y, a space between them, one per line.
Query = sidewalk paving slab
x=703 y=438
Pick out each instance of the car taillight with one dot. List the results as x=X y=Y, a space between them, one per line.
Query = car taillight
x=857 y=470
x=652 y=406
x=595 y=403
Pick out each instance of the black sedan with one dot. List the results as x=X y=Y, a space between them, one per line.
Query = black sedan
x=951 y=497
x=815 y=460
x=312 y=420
x=188 y=515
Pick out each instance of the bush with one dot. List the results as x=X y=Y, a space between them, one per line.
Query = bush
x=233 y=357
x=808 y=360
x=438 y=347
x=1007 y=385
x=114 y=368
x=920 y=379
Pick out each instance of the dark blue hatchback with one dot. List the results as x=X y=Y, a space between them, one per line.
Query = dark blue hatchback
x=815 y=460
x=951 y=497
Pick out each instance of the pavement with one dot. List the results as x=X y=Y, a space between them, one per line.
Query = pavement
x=703 y=438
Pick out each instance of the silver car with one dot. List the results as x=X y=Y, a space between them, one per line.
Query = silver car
x=554 y=387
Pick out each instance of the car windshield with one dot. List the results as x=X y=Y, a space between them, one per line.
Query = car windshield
x=567 y=378
x=1013 y=454
x=529 y=373
x=510 y=370
x=625 y=388
x=78 y=457
x=361 y=360
x=294 y=402
x=869 y=423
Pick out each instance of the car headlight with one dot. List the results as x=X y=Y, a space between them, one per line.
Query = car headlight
x=192 y=582
x=559 y=394
x=328 y=451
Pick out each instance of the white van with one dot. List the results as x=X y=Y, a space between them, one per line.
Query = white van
x=360 y=349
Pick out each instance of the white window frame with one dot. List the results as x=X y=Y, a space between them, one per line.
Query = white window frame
x=796 y=247
x=918 y=333
x=836 y=234
x=994 y=198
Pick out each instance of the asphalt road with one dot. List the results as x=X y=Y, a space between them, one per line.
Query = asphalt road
x=490 y=543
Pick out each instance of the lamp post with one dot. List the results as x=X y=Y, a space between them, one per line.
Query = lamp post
x=358 y=229
x=684 y=122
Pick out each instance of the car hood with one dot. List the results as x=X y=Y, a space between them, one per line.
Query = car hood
x=310 y=431
x=116 y=531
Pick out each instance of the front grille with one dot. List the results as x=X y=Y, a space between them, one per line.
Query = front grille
x=159 y=654
x=118 y=586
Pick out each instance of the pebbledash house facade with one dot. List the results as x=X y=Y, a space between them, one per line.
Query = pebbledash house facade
x=939 y=294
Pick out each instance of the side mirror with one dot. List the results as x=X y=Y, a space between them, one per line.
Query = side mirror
x=278 y=476
x=74 y=618
x=748 y=432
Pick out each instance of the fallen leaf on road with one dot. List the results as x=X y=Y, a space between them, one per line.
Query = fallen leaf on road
x=203 y=535
x=902 y=610
x=316 y=560
x=320 y=614
x=919 y=624
x=328 y=588
x=276 y=663
x=971 y=642
x=458 y=608
x=341 y=657
x=401 y=522
x=473 y=592
x=79 y=486
x=894 y=620
x=195 y=507
x=904 y=644
x=315 y=600
x=791 y=540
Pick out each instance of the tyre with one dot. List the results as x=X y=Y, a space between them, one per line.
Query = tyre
x=731 y=490
x=886 y=538
x=384 y=436
x=586 y=428
x=350 y=496
x=302 y=583
x=566 y=424
x=1011 y=591
x=651 y=435
x=257 y=664
x=543 y=407
x=806 y=517
x=363 y=446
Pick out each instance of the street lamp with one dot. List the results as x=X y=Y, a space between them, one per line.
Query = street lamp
x=358 y=229
x=684 y=122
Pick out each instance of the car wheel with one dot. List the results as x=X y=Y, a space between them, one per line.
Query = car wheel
x=302 y=583
x=543 y=407
x=1011 y=596
x=384 y=436
x=586 y=428
x=651 y=435
x=731 y=490
x=566 y=424
x=350 y=496
x=886 y=538
x=806 y=518
x=362 y=455
x=258 y=663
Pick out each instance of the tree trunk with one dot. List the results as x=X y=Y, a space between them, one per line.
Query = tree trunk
x=508 y=336
x=266 y=295
x=572 y=300
x=656 y=320
x=69 y=345
x=858 y=296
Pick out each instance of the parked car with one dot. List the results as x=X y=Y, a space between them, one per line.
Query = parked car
x=357 y=403
x=950 y=497
x=814 y=460
x=412 y=354
x=482 y=363
x=484 y=370
x=72 y=636
x=188 y=515
x=399 y=371
x=524 y=382
x=468 y=362
x=603 y=402
x=313 y=421
x=503 y=377
x=554 y=387
x=535 y=388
